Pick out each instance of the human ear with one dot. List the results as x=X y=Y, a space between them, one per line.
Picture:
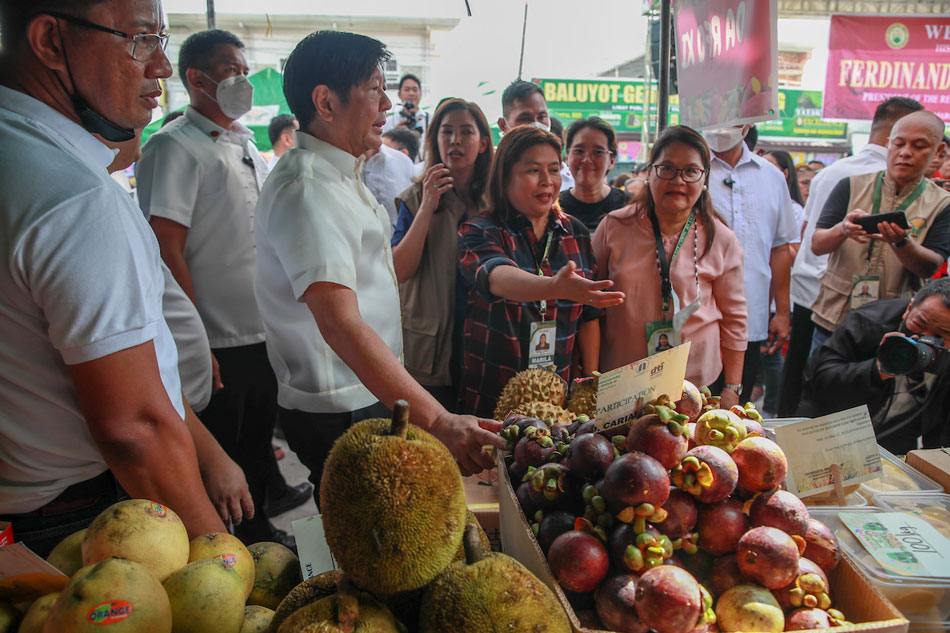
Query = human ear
x=323 y=102
x=44 y=37
x=503 y=125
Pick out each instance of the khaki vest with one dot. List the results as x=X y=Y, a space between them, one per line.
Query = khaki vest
x=834 y=296
x=428 y=298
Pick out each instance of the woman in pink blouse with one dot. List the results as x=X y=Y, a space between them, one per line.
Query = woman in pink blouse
x=675 y=222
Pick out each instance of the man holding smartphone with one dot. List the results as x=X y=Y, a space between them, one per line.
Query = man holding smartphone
x=889 y=255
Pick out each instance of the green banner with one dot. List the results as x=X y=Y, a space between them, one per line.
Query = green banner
x=621 y=102
x=800 y=117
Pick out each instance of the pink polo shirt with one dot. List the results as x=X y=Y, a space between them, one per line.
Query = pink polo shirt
x=625 y=250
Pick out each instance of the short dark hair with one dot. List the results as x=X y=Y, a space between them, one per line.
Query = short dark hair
x=704 y=209
x=406 y=138
x=336 y=59
x=595 y=123
x=752 y=138
x=199 y=46
x=403 y=79
x=512 y=147
x=482 y=163
x=888 y=111
x=16 y=14
x=277 y=126
x=557 y=128
x=172 y=116
x=787 y=163
x=934 y=287
x=517 y=90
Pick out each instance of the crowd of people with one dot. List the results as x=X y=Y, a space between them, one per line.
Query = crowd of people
x=150 y=349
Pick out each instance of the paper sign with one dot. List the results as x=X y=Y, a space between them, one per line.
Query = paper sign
x=812 y=446
x=623 y=392
x=25 y=576
x=312 y=548
x=6 y=533
x=904 y=544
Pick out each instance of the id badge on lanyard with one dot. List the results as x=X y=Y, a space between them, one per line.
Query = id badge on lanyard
x=864 y=289
x=542 y=338
x=662 y=335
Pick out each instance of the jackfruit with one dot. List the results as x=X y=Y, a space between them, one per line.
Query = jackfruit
x=549 y=413
x=310 y=590
x=348 y=610
x=488 y=593
x=583 y=398
x=531 y=385
x=393 y=504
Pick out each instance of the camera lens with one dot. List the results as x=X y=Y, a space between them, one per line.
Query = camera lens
x=900 y=355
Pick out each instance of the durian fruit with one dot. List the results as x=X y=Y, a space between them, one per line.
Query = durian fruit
x=531 y=385
x=489 y=593
x=310 y=590
x=393 y=504
x=348 y=611
x=583 y=398
x=545 y=411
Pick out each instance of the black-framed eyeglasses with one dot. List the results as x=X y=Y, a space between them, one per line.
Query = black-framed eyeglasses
x=144 y=45
x=668 y=172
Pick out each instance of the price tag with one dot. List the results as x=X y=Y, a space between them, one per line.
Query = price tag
x=904 y=544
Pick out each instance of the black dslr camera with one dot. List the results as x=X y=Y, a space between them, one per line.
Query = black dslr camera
x=902 y=355
x=408 y=114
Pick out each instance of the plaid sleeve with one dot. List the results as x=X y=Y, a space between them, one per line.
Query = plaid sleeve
x=480 y=252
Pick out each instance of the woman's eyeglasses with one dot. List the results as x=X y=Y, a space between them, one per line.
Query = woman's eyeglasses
x=668 y=172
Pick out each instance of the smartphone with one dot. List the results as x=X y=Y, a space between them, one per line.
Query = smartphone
x=869 y=222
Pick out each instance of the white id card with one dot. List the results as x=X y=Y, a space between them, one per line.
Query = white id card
x=864 y=289
x=541 y=344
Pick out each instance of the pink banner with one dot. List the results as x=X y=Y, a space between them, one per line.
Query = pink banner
x=871 y=59
x=726 y=61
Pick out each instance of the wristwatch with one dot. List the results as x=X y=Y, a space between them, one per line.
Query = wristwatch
x=736 y=388
x=901 y=242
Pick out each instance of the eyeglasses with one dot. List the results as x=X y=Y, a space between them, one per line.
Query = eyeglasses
x=144 y=45
x=580 y=152
x=668 y=172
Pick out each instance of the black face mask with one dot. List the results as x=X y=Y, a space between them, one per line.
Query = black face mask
x=91 y=120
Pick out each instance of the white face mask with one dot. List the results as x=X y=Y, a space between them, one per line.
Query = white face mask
x=235 y=95
x=540 y=126
x=722 y=139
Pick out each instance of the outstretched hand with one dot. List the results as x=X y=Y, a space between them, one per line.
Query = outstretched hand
x=468 y=438
x=570 y=285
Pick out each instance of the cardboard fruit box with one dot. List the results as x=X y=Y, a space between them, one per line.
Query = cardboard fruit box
x=850 y=591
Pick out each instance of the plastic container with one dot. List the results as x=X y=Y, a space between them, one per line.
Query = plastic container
x=934 y=508
x=925 y=602
x=897 y=476
x=827 y=500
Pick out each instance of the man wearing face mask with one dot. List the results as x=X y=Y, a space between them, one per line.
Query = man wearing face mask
x=198 y=182
x=845 y=372
x=752 y=197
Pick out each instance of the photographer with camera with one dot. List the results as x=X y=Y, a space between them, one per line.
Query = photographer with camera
x=408 y=115
x=890 y=355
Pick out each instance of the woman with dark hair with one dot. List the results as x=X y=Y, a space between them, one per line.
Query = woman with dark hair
x=530 y=270
x=683 y=264
x=425 y=244
x=591 y=153
x=785 y=163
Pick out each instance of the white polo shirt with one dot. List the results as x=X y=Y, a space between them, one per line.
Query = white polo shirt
x=318 y=222
x=758 y=209
x=194 y=351
x=808 y=267
x=194 y=172
x=80 y=280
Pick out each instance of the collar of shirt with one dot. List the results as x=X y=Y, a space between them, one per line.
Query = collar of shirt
x=747 y=157
x=86 y=144
x=239 y=134
x=518 y=223
x=348 y=165
x=890 y=186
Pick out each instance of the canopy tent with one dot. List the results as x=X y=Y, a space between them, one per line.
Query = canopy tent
x=268 y=102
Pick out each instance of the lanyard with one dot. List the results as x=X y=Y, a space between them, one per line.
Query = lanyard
x=547 y=249
x=876 y=201
x=666 y=286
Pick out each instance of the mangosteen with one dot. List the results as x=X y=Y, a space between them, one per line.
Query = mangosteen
x=614 y=600
x=552 y=526
x=779 y=509
x=707 y=473
x=720 y=526
x=768 y=556
x=589 y=456
x=665 y=441
x=578 y=560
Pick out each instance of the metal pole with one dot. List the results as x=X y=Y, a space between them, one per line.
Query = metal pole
x=524 y=28
x=663 y=101
x=210 y=14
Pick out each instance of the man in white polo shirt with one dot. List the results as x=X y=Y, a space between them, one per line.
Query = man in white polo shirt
x=90 y=400
x=325 y=280
x=751 y=195
x=198 y=182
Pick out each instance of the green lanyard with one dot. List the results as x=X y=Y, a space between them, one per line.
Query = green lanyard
x=547 y=249
x=909 y=200
x=666 y=286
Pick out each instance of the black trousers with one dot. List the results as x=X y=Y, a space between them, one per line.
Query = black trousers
x=799 y=346
x=750 y=370
x=241 y=417
x=311 y=435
